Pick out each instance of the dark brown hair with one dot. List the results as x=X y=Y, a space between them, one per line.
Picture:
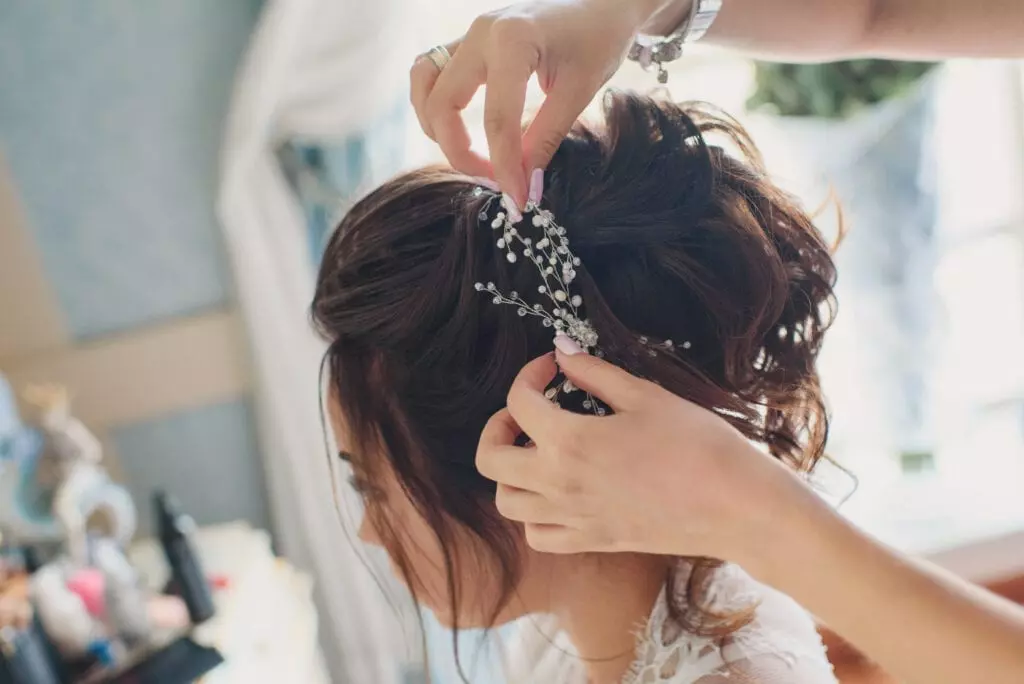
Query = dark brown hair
x=678 y=239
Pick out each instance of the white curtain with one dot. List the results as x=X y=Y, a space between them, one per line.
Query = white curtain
x=315 y=69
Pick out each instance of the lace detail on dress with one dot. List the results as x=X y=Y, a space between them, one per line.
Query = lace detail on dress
x=780 y=645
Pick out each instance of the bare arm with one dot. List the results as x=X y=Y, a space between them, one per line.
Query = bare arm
x=833 y=29
x=574 y=46
x=920 y=623
x=701 y=489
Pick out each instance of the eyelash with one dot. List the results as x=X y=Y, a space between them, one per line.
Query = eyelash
x=367 y=492
x=364 y=490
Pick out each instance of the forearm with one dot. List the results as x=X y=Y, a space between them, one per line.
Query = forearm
x=920 y=623
x=835 y=29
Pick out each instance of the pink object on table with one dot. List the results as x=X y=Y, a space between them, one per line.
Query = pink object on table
x=219 y=582
x=90 y=586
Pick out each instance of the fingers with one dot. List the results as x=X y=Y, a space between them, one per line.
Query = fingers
x=558 y=539
x=422 y=78
x=500 y=431
x=613 y=385
x=537 y=374
x=565 y=102
x=511 y=466
x=508 y=73
x=452 y=91
x=499 y=460
x=526 y=507
x=527 y=405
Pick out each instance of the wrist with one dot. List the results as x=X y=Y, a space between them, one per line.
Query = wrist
x=792 y=522
x=662 y=17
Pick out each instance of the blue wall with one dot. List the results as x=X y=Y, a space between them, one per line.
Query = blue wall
x=205 y=456
x=111 y=117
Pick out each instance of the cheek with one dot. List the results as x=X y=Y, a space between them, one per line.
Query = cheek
x=418 y=545
x=368 y=533
x=477 y=579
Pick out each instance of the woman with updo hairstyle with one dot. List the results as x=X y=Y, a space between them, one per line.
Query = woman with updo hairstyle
x=695 y=271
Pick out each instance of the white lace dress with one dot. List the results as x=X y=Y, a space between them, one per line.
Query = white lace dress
x=780 y=646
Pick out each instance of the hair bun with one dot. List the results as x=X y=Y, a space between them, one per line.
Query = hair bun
x=663 y=220
x=642 y=177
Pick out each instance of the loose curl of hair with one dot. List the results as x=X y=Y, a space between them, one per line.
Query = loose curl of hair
x=679 y=239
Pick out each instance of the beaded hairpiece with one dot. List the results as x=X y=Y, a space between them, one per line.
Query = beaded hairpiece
x=557 y=264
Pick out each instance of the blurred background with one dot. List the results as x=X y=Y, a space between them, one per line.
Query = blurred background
x=169 y=172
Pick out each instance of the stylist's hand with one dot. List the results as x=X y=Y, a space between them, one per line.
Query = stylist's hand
x=574 y=46
x=661 y=476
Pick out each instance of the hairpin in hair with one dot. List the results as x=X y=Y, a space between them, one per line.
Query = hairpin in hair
x=557 y=265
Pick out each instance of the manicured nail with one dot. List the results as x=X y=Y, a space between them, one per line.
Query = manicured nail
x=514 y=213
x=567 y=345
x=536 y=185
x=488 y=183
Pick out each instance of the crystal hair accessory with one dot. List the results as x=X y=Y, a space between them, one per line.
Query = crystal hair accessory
x=556 y=265
x=549 y=252
x=547 y=248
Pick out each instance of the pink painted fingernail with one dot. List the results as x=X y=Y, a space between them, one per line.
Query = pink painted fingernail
x=514 y=213
x=488 y=183
x=567 y=345
x=536 y=185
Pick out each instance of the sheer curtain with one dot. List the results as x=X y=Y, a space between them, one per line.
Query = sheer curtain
x=324 y=70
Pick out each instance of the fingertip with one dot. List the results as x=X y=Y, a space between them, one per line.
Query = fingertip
x=574 y=362
x=576 y=366
x=566 y=346
x=514 y=185
x=551 y=538
x=539 y=372
x=613 y=385
x=526 y=398
x=515 y=213
x=536 y=191
x=500 y=430
x=521 y=195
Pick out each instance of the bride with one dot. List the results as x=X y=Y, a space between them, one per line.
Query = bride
x=679 y=261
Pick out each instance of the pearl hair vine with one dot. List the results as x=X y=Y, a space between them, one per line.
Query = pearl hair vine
x=547 y=248
x=549 y=252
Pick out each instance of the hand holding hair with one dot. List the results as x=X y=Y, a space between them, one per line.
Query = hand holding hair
x=572 y=47
x=662 y=475
x=665 y=476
